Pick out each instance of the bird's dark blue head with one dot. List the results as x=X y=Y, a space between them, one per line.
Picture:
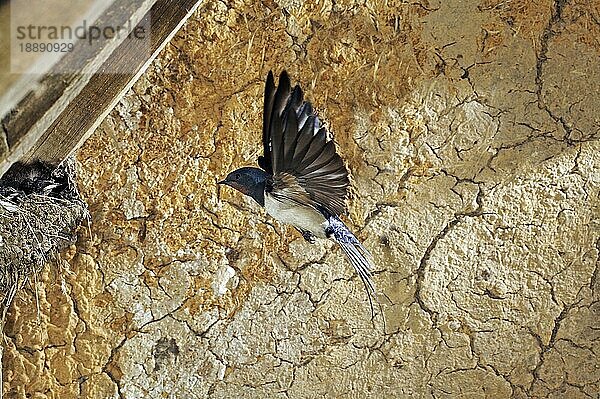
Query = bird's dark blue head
x=249 y=181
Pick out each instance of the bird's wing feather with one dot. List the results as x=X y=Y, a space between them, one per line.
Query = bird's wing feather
x=265 y=160
x=296 y=145
x=287 y=189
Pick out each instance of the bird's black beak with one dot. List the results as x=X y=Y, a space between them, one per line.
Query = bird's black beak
x=223 y=182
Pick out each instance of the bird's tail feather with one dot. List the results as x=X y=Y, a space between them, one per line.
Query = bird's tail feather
x=357 y=254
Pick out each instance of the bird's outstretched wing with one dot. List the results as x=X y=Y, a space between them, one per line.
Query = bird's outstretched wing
x=296 y=146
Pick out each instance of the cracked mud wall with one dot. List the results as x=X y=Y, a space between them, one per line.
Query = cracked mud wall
x=471 y=131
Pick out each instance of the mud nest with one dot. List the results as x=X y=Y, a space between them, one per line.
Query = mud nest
x=40 y=210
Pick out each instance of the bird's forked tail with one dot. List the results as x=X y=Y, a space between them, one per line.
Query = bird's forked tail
x=357 y=254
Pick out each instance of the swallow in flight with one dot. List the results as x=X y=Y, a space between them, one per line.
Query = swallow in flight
x=302 y=181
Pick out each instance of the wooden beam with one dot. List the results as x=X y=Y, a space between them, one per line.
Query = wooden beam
x=35 y=103
x=51 y=126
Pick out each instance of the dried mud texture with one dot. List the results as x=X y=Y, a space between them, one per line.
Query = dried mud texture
x=472 y=137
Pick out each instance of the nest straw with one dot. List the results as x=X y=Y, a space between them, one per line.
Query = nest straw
x=35 y=224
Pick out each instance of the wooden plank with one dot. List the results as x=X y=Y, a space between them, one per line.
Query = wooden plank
x=86 y=110
x=29 y=71
x=46 y=98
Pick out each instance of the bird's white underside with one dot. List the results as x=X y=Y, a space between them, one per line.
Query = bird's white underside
x=305 y=218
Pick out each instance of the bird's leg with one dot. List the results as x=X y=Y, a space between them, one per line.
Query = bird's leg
x=308 y=236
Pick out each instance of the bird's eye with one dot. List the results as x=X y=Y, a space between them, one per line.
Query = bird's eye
x=237 y=176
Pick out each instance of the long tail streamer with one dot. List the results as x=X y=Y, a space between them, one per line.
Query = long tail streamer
x=357 y=254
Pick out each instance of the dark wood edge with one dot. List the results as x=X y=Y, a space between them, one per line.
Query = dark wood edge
x=82 y=115
x=42 y=98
